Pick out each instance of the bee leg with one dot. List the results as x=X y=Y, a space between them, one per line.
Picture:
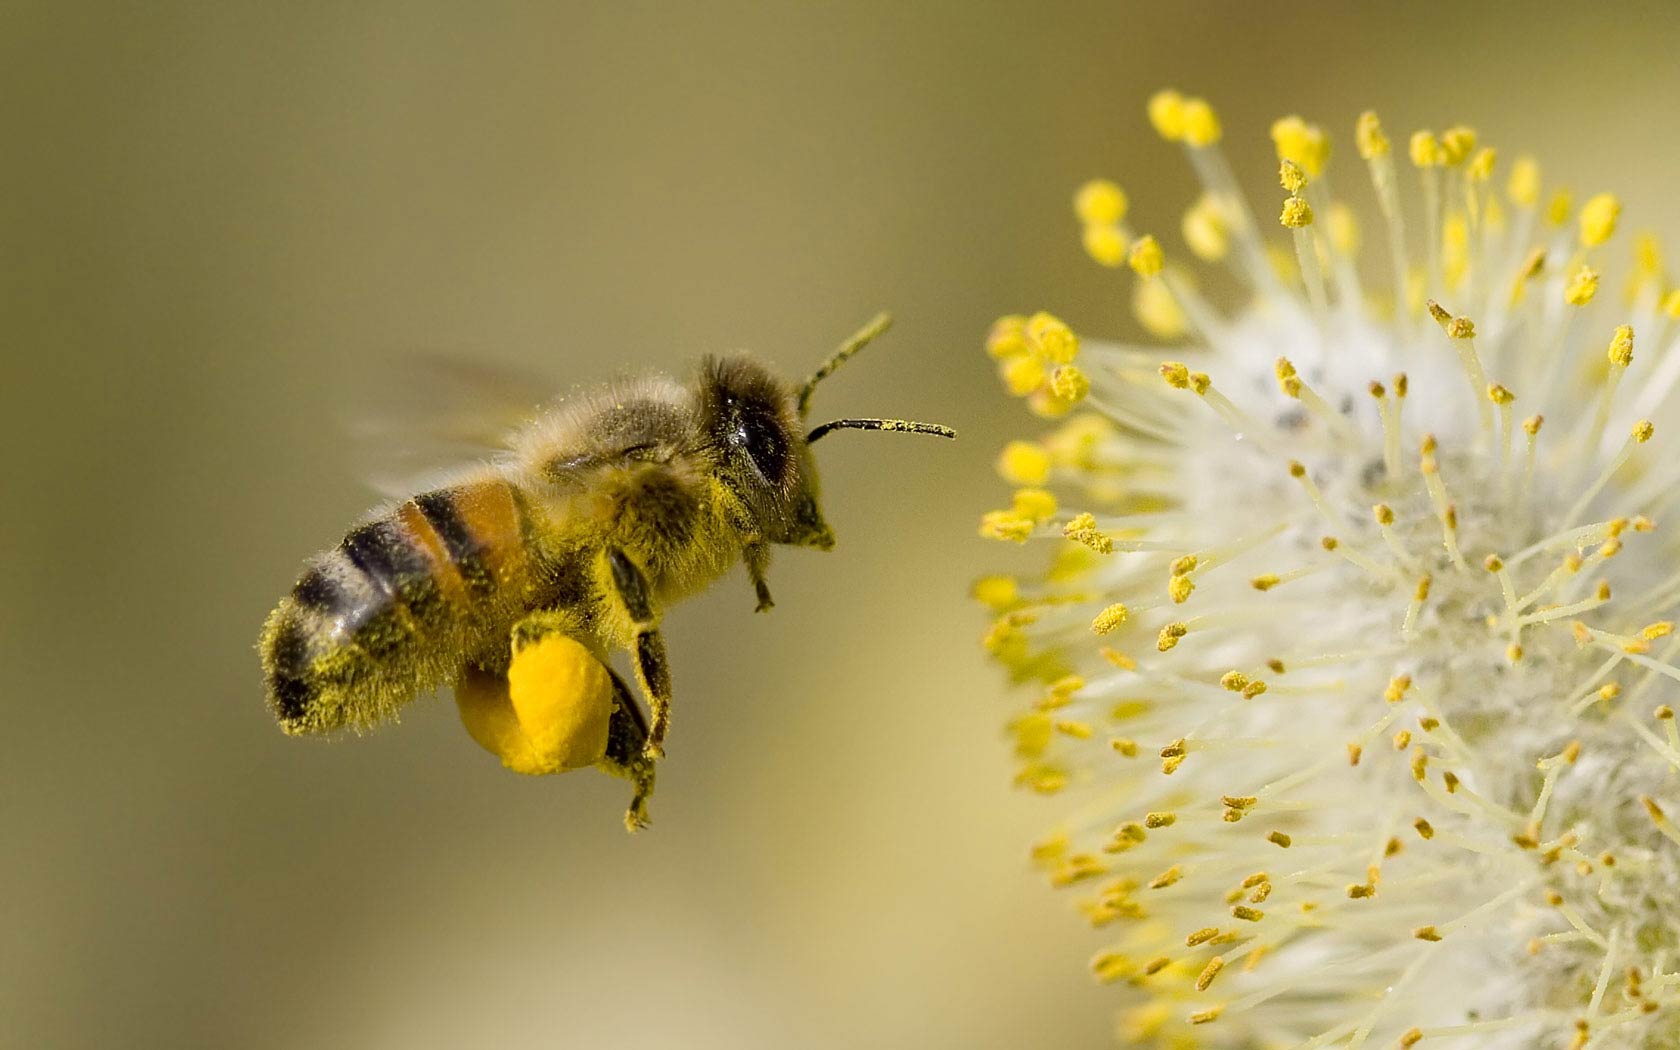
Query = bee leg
x=757 y=555
x=653 y=673
x=626 y=736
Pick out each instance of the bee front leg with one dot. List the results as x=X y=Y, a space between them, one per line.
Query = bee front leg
x=757 y=556
x=653 y=673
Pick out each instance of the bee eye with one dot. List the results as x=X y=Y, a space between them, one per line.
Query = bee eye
x=759 y=432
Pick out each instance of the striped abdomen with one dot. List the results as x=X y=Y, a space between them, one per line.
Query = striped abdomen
x=396 y=607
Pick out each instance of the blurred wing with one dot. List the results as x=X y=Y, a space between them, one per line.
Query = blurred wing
x=424 y=416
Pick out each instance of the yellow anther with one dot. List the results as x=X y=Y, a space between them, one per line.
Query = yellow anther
x=1008 y=337
x=1513 y=653
x=1368 y=135
x=1051 y=338
x=996 y=592
x=1100 y=203
x=1598 y=219
x=1481 y=165
x=1642 y=431
x=1671 y=304
x=1493 y=563
x=1201 y=123
x=1036 y=504
x=1206 y=231
x=1164 y=819
x=1419 y=764
x=1183 y=565
x=1410 y=1038
x=1279 y=839
x=1209 y=972
x=1531 y=426
x=1247 y=914
x=1427 y=933
x=1104 y=244
x=1402 y=739
x=1302 y=144
x=1166 y=878
x=1661 y=629
x=1077 y=730
x=1146 y=258
x=1169 y=636
x=1461 y=328
x=1082 y=528
x=1440 y=314
x=1024 y=463
x=1534 y=264
x=1264 y=583
x=1397 y=688
x=1582 y=286
x=1361 y=891
x=1235 y=681
x=1107 y=621
x=1166 y=112
x=1069 y=383
x=1425 y=151
x=1022 y=374
x=1296 y=213
x=1421 y=594
x=1179 y=588
x=1291 y=177
x=1383 y=513
x=1424 y=829
x=1253 y=689
x=1457 y=143
x=1621 y=346
x=1500 y=395
x=1006 y=525
x=1124 y=746
x=1558 y=208
x=1176 y=375
x=1523 y=187
x=1401 y=385
x=1664 y=713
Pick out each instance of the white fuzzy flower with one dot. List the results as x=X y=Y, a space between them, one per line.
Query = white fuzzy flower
x=1353 y=673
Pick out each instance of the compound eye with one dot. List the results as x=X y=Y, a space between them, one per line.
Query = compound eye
x=759 y=432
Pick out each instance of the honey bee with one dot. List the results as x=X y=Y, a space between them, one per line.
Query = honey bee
x=517 y=583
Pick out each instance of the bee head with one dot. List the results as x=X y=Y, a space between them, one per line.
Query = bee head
x=750 y=417
x=756 y=420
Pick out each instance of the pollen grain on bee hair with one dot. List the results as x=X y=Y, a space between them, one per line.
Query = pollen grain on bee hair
x=1350 y=651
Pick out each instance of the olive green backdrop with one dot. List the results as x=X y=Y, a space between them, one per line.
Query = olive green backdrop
x=214 y=216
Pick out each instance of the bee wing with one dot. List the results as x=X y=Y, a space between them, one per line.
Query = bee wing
x=426 y=416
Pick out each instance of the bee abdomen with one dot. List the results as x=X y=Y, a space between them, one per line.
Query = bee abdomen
x=391 y=610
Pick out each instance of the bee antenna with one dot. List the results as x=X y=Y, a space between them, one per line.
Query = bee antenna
x=859 y=339
x=900 y=426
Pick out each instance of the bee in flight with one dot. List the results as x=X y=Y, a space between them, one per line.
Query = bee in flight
x=517 y=582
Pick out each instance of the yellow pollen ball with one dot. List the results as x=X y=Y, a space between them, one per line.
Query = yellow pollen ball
x=1456 y=144
x=1146 y=256
x=1642 y=431
x=1368 y=135
x=1598 y=219
x=1109 y=619
x=996 y=592
x=1621 y=346
x=1290 y=176
x=1051 y=337
x=1166 y=112
x=1302 y=144
x=1296 y=213
x=1024 y=463
x=1008 y=337
x=1583 y=285
x=1069 y=383
x=1425 y=151
x=1523 y=187
x=1557 y=209
x=1205 y=231
x=1201 y=123
x=1022 y=375
x=1100 y=203
x=1104 y=244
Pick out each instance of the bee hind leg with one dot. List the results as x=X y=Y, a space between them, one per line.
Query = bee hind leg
x=653 y=672
x=627 y=733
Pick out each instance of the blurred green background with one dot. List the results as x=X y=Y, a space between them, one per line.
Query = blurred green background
x=213 y=214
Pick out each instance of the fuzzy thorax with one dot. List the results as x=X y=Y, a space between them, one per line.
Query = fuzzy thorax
x=1351 y=657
